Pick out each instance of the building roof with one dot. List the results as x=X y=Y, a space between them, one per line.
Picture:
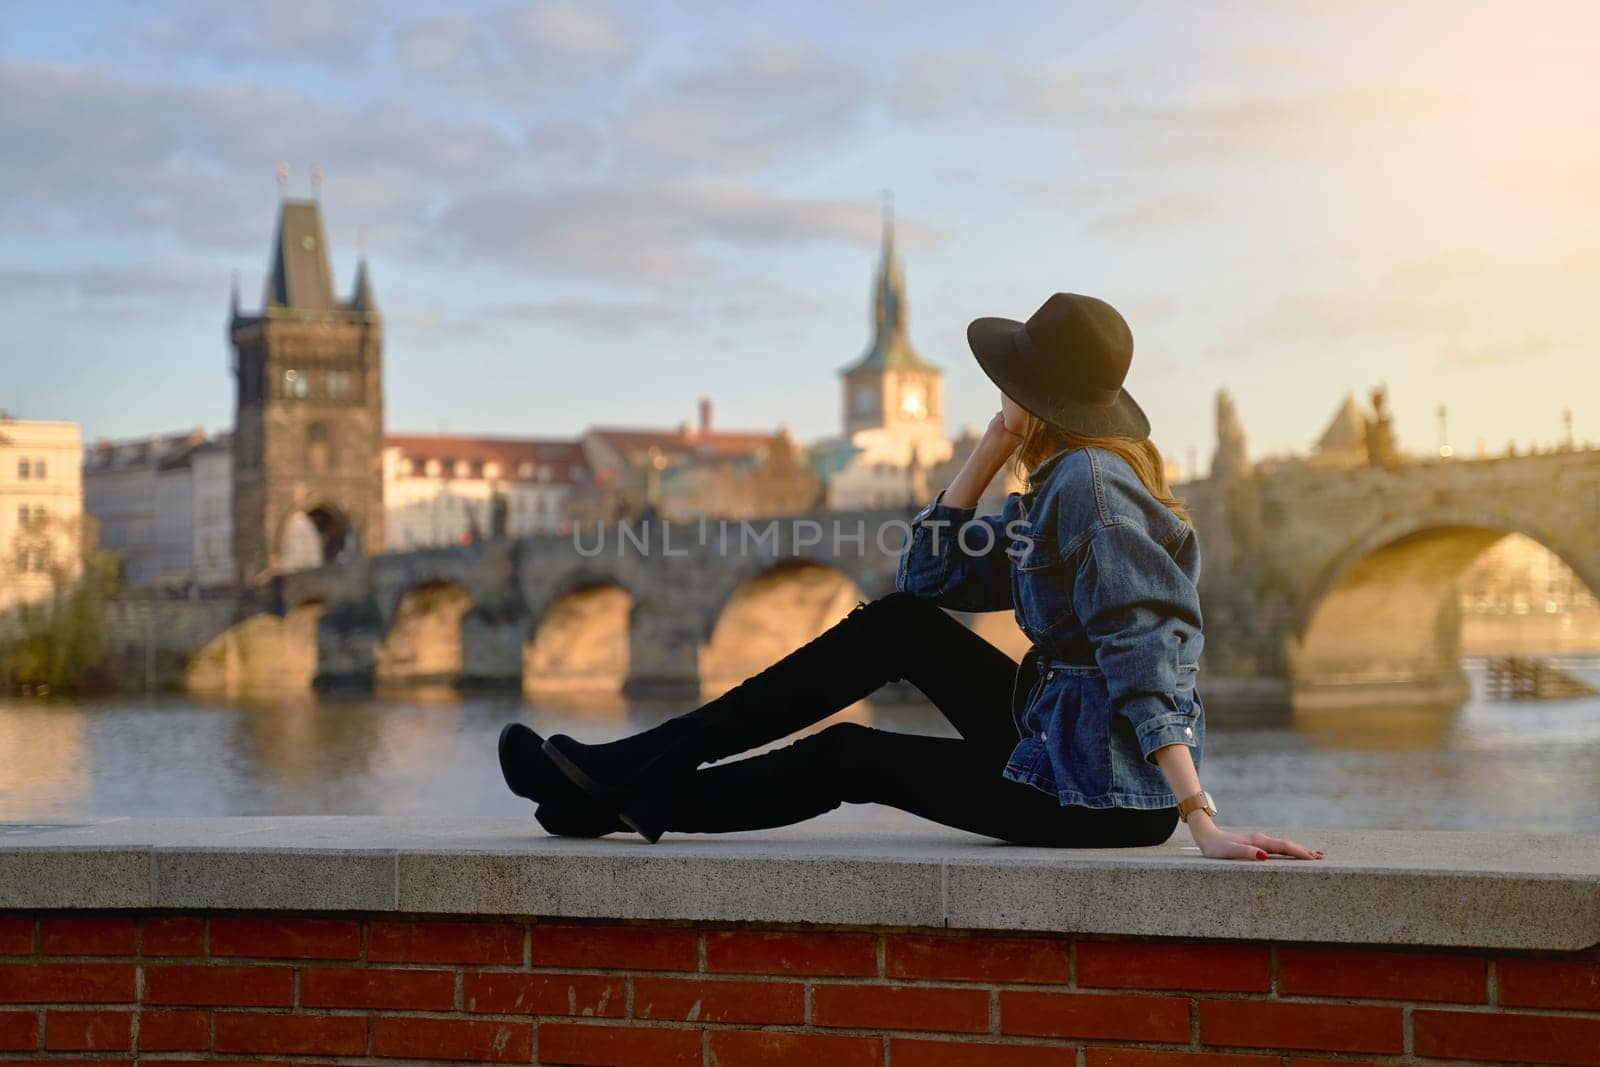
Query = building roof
x=890 y=348
x=300 y=279
x=1346 y=431
x=519 y=458
x=685 y=440
x=155 y=450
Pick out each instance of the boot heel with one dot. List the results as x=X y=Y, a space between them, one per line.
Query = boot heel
x=572 y=770
x=644 y=824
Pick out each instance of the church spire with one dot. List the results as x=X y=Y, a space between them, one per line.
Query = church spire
x=890 y=298
x=363 y=300
x=890 y=346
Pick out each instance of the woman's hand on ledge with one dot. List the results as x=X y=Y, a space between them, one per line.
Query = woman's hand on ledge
x=1220 y=844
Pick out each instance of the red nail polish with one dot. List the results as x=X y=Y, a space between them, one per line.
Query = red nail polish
x=1260 y=855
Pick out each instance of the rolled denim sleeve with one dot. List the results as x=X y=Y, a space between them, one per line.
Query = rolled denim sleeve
x=967 y=570
x=1142 y=613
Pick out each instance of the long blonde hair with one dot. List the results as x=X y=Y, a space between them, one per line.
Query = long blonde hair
x=1042 y=439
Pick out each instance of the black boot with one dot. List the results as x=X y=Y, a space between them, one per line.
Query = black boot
x=563 y=809
x=844 y=664
x=782 y=787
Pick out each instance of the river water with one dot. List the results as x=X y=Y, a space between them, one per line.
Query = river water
x=1484 y=765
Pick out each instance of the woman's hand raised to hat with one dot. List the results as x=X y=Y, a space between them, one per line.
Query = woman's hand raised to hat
x=994 y=448
x=998 y=433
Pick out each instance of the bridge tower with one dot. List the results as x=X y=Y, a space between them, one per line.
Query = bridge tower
x=308 y=416
x=893 y=398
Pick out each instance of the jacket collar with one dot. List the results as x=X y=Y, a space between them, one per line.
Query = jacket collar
x=1037 y=476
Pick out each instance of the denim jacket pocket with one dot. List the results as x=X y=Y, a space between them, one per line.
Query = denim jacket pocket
x=1074 y=724
x=1043 y=587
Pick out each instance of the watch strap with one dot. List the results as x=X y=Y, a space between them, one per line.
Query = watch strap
x=1189 y=804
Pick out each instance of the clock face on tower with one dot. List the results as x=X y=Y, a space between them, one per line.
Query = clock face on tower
x=866 y=400
x=914 y=402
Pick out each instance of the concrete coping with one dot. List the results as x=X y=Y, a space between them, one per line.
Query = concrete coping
x=1507 y=890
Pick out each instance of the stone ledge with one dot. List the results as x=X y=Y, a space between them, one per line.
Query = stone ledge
x=1514 y=890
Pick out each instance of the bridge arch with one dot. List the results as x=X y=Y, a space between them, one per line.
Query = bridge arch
x=422 y=644
x=315 y=535
x=1379 y=617
x=764 y=613
x=579 y=635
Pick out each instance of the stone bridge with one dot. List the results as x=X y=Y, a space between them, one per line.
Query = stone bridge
x=1317 y=585
x=1339 y=585
x=654 y=607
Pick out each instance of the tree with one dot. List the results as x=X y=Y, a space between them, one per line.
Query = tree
x=57 y=641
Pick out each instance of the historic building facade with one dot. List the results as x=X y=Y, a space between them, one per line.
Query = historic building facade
x=41 y=508
x=163 y=507
x=443 y=489
x=308 y=425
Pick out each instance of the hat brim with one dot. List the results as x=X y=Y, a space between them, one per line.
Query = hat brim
x=993 y=343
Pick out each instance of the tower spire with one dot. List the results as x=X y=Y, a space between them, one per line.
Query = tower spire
x=889 y=299
x=890 y=345
x=888 y=225
x=363 y=300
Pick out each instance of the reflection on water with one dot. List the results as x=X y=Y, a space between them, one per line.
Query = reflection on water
x=1529 y=765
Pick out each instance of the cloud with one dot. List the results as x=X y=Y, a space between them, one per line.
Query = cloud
x=163 y=277
x=581 y=31
x=509 y=56
x=944 y=84
x=1233 y=127
x=336 y=36
x=766 y=100
x=659 y=233
x=1500 y=353
x=564 y=148
x=1332 y=316
x=1165 y=212
x=87 y=151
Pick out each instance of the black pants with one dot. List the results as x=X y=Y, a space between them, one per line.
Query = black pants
x=955 y=781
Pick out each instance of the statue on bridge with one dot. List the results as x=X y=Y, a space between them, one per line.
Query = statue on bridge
x=1381 y=450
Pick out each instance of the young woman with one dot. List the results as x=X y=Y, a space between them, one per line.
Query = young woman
x=1093 y=740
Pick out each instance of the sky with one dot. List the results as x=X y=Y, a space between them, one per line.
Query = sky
x=593 y=213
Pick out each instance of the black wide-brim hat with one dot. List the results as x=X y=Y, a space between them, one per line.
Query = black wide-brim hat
x=1066 y=365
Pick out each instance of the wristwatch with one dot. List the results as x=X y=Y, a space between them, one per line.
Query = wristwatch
x=1201 y=800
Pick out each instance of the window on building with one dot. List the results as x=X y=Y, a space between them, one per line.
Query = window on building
x=39 y=469
x=341 y=384
x=24 y=468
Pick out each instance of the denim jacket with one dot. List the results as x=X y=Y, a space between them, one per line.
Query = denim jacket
x=1102 y=579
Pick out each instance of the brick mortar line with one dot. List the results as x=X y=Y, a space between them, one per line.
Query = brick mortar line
x=1465 y=1007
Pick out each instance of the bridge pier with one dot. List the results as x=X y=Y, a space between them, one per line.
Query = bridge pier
x=348 y=636
x=492 y=639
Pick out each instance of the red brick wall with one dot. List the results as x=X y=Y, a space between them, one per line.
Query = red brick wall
x=193 y=988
